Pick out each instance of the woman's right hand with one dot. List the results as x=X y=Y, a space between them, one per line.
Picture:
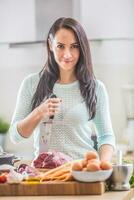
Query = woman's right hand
x=49 y=107
x=45 y=110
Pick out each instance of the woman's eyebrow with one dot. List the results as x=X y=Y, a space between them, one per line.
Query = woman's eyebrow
x=75 y=43
x=60 y=43
x=70 y=44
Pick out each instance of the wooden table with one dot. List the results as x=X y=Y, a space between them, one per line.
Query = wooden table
x=123 y=195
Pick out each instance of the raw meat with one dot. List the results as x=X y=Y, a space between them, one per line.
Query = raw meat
x=50 y=160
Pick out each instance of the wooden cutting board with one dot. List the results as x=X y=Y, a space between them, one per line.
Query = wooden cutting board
x=52 y=188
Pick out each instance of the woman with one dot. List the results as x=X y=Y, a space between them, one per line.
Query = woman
x=81 y=99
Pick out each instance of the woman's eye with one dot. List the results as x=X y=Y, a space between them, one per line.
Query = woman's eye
x=75 y=46
x=60 y=46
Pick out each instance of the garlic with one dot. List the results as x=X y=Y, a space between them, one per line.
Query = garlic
x=14 y=177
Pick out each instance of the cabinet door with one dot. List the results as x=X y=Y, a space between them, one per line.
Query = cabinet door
x=47 y=11
x=30 y=20
x=106 y=19
x=17 y=20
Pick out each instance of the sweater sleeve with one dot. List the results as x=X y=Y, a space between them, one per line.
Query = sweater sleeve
x=102 y=119
x=22 y=109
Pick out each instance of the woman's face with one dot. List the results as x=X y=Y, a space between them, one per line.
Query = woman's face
x=66 y=50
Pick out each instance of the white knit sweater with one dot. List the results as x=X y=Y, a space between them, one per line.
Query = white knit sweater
x=71 y=131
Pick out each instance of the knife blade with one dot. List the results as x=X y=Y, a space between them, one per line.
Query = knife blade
x=46 y=130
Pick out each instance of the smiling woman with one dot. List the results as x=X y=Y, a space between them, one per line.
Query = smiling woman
x=64 y=123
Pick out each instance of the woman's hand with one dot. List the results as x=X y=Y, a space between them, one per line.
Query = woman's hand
x=46 y=109
x=106 y=152
x=49 y=107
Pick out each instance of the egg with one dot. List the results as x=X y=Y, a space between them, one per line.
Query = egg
x=84 y=169
x=77 y=166
x=90 y=155
x=93 y=166
x=93 y=160
x=84 y=163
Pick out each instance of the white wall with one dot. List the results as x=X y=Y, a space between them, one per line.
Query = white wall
x=17 y=20
x=114 y=65
x=15 y=64
x=107 y=19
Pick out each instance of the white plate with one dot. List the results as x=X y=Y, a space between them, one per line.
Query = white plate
x=86 y=176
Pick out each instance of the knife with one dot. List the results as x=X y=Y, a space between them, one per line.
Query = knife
x=46 y=130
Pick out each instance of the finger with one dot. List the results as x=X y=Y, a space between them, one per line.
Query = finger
x=54 y=100
x=53 y=111
x=53 y=105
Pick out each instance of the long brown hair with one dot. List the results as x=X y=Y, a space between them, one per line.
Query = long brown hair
x=84 y=70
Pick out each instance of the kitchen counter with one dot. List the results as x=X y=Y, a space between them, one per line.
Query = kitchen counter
x=123 y=195
x=112 y=195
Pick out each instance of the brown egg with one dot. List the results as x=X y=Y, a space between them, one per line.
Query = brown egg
x=77 y=166
x=84 y=163
x=84 y=169
x=93 y=166
x=105 y=165
x=90 y=155
x=94 y=160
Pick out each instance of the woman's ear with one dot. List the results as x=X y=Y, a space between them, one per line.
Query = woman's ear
x=50 y=45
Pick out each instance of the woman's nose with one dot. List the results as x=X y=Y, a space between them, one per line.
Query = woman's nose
x=67 y=54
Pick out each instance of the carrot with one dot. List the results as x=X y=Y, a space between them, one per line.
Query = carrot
x=51 y=171
x=58 y=173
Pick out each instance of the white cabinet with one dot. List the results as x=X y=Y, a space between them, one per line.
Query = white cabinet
x=106 y=19
x=30 y=20
x=47 y=11
x=17 y=20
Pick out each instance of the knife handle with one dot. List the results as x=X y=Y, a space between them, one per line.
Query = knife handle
x=52 y=96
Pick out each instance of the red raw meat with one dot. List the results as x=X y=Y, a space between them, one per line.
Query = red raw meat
x=50 y=160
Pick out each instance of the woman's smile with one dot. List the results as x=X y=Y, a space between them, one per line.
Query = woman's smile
x=67 y=61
